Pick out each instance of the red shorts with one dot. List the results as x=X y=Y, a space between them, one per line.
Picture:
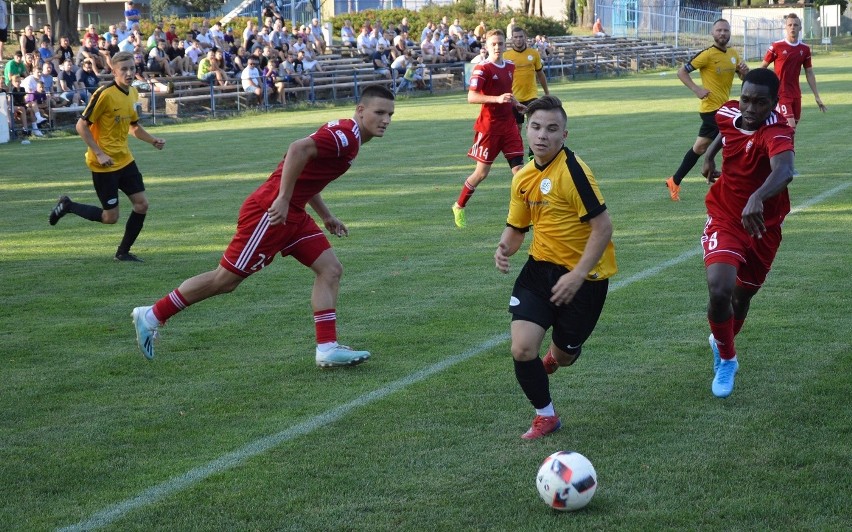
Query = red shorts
x=728 y=243
x=486 y=146
x=790 y=108
x=256 y=242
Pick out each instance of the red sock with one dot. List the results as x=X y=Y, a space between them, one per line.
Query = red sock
x=738 y=326
x=325 y=322
x=169 y=306
x=466 y=192
x=724 y=335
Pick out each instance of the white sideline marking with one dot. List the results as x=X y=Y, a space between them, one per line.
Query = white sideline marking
x=229 y=460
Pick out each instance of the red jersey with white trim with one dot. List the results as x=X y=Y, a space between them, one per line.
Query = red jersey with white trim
x=337 y=144
x=789 y=60
x=492 y=79
x=745 y=165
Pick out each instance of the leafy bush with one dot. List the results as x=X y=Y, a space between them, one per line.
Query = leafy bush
x=467 y=11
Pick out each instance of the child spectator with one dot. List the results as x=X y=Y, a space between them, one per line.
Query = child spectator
x=37 y=104
x=19 y=105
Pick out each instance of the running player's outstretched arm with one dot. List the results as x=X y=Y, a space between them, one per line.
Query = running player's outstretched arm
x=684 y=77
x=568 y=284
x=140 y=133
x=86 y=134
x=778 y=179
x=708 y=168
x=510 y=242
x=298 y=155
x=331 y=222
x=809 y=75
x=478 y=97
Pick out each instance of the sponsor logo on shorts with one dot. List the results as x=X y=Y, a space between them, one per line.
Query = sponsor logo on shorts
x=514 y=301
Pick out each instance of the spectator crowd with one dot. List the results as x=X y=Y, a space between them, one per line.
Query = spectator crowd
x=264 y=60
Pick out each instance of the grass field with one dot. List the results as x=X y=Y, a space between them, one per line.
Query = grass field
x=232 y=427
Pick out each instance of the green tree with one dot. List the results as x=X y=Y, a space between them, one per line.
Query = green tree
x=61 y=15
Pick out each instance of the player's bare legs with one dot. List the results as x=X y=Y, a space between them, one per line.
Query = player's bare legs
x=698 y=149
x=209 y=284
x=532 y=377
x=329 y=352
x=192 y=290
x=557 y=358
x=327 y=283
x=473 y=180
x=721 y=285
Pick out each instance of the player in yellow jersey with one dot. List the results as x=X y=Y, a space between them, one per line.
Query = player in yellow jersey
x=565 y=280
x=528 y=69
x=717 y=66
x=104 y=125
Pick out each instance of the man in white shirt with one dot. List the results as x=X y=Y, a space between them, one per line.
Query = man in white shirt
x=216 y=36
x=347 y=34
x=251 y=79
x=316 y=31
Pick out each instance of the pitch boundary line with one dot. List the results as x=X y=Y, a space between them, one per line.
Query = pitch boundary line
x=151 y=495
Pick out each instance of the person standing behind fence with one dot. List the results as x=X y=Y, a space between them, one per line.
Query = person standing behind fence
x=717 y=66
x=789 y=56
x=131 y=15
x=4 y=26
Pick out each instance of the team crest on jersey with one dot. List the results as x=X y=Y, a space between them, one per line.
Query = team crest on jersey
x=733 y=60
x=529 y=58
x=546 y=185
x=342 y=136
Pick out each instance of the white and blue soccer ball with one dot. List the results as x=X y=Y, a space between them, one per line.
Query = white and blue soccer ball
x=566 y=481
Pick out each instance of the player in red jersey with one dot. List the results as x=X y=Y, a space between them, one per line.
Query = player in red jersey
x=273 y=220
x=745 y=208
x=789 y=56
x=495 y=129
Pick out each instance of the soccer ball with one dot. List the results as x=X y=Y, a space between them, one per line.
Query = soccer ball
x=566 y=481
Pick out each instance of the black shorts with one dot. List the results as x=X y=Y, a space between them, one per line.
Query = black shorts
x=709 y=128
x=519 y=117
x=4 y=35
x=572 y=323
x=107 y=184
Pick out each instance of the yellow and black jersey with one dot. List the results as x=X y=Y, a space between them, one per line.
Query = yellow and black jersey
x=717 y=69
x=559 y=199
x=527 y=63
x=110 y=112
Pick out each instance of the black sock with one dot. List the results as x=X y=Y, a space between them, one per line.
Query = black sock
x=686 y=165
x=131 y=231
x=89 y=212
x=534 y=382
